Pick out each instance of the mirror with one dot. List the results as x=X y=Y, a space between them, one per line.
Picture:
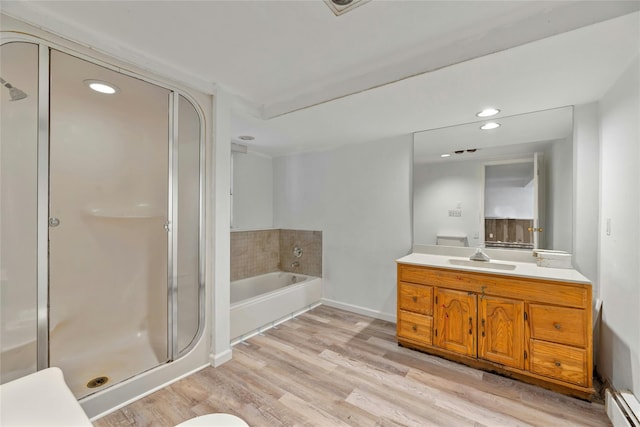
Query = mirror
x=509 y=187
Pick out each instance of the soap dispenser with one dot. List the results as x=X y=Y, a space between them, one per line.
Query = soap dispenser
x=479 y=255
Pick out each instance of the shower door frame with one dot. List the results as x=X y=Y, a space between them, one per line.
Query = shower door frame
x=42 y=305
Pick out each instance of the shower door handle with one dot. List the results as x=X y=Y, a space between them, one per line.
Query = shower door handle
x=166 y=226
x=54 y=222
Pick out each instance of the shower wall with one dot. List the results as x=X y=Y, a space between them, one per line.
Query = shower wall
x=258 y=252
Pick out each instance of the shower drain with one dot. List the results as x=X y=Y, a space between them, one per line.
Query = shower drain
x=97 y=382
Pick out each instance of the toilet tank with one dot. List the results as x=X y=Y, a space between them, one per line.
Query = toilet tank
x=452 y=240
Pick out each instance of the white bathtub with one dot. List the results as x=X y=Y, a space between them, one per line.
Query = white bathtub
x=260 y=302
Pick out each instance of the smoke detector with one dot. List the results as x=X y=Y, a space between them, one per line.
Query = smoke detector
x=338 y=7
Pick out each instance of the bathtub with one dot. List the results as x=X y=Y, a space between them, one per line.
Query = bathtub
x=260 y=302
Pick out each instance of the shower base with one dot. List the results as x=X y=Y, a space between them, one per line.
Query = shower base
x=117 y=361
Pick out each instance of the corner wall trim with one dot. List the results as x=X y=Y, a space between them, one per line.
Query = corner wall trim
x=359 y=310
x=220 y=358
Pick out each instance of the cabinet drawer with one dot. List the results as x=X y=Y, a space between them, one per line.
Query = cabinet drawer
x=558 y=324
x=415 y=327
x=416 y=298
x=414 y=274
x=559 y=361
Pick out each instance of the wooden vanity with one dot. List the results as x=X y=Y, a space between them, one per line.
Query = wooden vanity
x=537 y=330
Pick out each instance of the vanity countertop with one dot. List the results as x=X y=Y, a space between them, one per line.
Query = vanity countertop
x=520 y=269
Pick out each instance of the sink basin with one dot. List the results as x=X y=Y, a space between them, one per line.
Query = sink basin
x=482 y=264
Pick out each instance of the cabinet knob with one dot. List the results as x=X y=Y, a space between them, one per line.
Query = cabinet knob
x=558 y=364
x=556 y=325
x=415 y=328
x=415 y=299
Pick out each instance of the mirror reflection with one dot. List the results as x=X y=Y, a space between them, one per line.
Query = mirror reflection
x=508 y=187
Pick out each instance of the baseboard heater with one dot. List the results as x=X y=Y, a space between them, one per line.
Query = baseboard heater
x=623 y=408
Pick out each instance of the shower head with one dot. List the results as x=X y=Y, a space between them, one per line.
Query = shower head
x=15 y=93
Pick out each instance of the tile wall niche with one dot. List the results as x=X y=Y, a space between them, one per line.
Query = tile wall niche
x=259 y=252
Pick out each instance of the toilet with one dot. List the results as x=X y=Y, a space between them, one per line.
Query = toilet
x=452 y=240
x=44 y=399
x=214 y=420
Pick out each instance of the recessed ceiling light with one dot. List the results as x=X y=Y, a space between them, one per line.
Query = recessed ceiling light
x=490 y=125
x=445 y=155
x=102 y=87
x=488 y=112
x=246 y=137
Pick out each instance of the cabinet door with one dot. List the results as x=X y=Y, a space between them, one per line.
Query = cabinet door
x=501 y=331
x=456 y=321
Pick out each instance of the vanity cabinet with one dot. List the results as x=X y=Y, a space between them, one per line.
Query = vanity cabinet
x=534 y=330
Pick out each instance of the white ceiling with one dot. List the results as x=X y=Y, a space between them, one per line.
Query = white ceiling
x=283 y=56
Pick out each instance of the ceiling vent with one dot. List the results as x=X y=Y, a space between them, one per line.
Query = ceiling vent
x=343 y=6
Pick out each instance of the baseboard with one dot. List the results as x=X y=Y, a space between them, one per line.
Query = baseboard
x=623 y=409
x=359 y=310
x=220 y=358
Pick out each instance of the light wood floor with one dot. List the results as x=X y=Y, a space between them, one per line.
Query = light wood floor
x=330 y=367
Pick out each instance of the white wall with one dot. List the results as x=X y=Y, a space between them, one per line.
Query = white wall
x=219 y=214
x=586 y=181
x=619 y=252
x=360 y=197
x=252 y=191
x=440 y=187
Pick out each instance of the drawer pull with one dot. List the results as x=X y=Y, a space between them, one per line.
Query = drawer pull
x=415 y=299
x=556 y=325
x=415 y=328
x=558 y=364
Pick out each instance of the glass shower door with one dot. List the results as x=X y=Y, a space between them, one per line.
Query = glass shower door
x=108 y=239
x=18 y=209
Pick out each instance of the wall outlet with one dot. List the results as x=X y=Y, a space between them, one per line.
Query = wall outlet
x=455 y=212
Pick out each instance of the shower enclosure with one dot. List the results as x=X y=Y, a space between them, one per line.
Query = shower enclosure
x=101 y=219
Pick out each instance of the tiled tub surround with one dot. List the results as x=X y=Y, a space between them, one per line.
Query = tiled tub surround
x=258 y=252
x=254 y=253
x=310 y=242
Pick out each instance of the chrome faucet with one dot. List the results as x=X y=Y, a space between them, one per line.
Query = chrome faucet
x=479 y=255
x=295 y=264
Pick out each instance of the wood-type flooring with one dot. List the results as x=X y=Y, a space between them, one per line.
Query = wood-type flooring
x=330 y=367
